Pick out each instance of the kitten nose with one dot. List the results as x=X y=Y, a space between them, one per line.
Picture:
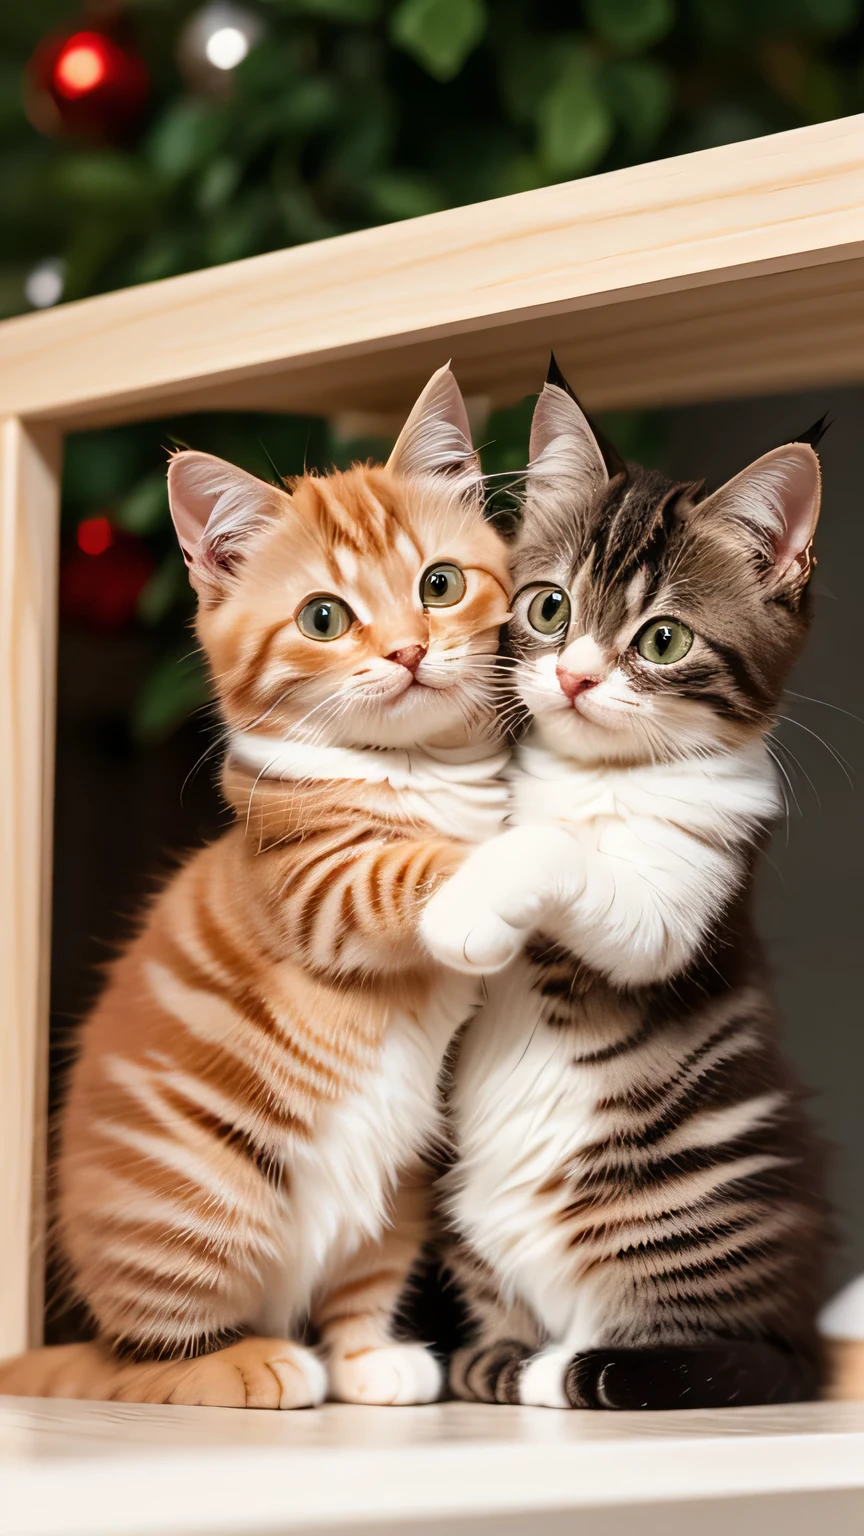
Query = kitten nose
x=409 y=656
x=571 y=684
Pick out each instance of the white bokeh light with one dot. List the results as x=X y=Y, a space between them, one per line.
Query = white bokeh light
x=227 y=47
x=214 y=41
x=44 y=285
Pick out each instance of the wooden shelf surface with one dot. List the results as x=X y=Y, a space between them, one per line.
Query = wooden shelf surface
x=731 y=271
x=91 y=1469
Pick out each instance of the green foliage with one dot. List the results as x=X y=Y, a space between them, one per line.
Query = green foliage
x=176 y=687
x=353 y=112
x=439 y=34
x=187 y=137
x=342 y=10
x=640 y=95
x=745 y=21
x=167 y=587
x=575 y=126
x=631 y=25
x=144 y=508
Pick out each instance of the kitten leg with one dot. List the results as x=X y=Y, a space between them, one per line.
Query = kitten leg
x=366 y=1361
x=546 y=1379
x=489 y=1369
x=253 y=1373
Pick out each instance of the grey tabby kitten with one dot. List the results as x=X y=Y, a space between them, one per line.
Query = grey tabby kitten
x=637 y=1195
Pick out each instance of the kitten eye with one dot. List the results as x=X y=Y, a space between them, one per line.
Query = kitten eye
x=442 y=586
x=324 y=618
x=549 y=611
x=664 y=641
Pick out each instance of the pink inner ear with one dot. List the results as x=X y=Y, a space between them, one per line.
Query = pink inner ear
x=774 y=501
x=191 y=503
x=216 y=509
x=800 y=496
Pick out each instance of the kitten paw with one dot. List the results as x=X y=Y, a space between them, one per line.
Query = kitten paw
x=466 y=937
x=255 y=1373
x=542 y=1384
x=479 y=919
x=396 y=1374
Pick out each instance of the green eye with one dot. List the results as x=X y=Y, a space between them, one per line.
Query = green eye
x=442 y=586
x=324 y=618
x=664 y=641
x=549 y=611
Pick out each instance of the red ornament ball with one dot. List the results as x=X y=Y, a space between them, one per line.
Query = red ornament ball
x=103 y=576
x=85 y=82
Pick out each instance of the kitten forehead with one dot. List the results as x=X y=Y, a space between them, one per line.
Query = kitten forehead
x=634 y=593
x=347 y=563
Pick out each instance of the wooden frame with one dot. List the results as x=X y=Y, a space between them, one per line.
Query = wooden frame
x=731 y=271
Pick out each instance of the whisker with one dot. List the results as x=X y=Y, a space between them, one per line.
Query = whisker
x=825 y=705
x=776 y=741
x=837 y=756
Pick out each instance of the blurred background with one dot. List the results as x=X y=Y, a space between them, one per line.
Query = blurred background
x=153 y=137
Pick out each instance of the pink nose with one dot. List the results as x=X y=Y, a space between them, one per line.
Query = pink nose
x=571 y=684
x=410 y=656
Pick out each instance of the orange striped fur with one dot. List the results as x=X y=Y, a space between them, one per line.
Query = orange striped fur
x=242 y=1141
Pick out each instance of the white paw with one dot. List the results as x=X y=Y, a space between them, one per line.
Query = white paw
x=314 y=1373
x=481 y=917
x=396 y=1375
x=542 y=1381
x=468 y=935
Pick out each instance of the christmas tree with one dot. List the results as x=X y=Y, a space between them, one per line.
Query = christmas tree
x=156 y=137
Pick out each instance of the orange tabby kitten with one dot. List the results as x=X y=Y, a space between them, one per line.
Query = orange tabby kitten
x=242 y=1140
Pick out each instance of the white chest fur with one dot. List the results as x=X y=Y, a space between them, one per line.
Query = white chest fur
x=518 y=1112
x=460 y=792
x=657 y=851
x=717 y=796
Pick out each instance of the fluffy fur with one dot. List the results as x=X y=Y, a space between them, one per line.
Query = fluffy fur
x=242 y=1142
x=636 y=1194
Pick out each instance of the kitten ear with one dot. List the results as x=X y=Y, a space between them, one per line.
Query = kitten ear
x=615 y=465
x=216 y=509
x=774 y=503
x=436 y=438
x=564 y=454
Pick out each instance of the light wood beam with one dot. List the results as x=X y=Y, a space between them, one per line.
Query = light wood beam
x=29 y=512
x=604 y=265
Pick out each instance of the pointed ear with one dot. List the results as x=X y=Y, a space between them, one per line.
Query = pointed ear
x=216 y=510
x=615 y=465
x=436 y=438
x=774 y=504
x=564 y=454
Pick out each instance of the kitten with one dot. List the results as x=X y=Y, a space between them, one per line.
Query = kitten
x=636 y=1193
x=242 y=1143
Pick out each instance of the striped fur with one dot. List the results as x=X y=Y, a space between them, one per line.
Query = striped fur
x=636 y=1197
x=242 y=1145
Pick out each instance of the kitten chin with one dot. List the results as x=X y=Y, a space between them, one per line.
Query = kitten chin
x=591 y=744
